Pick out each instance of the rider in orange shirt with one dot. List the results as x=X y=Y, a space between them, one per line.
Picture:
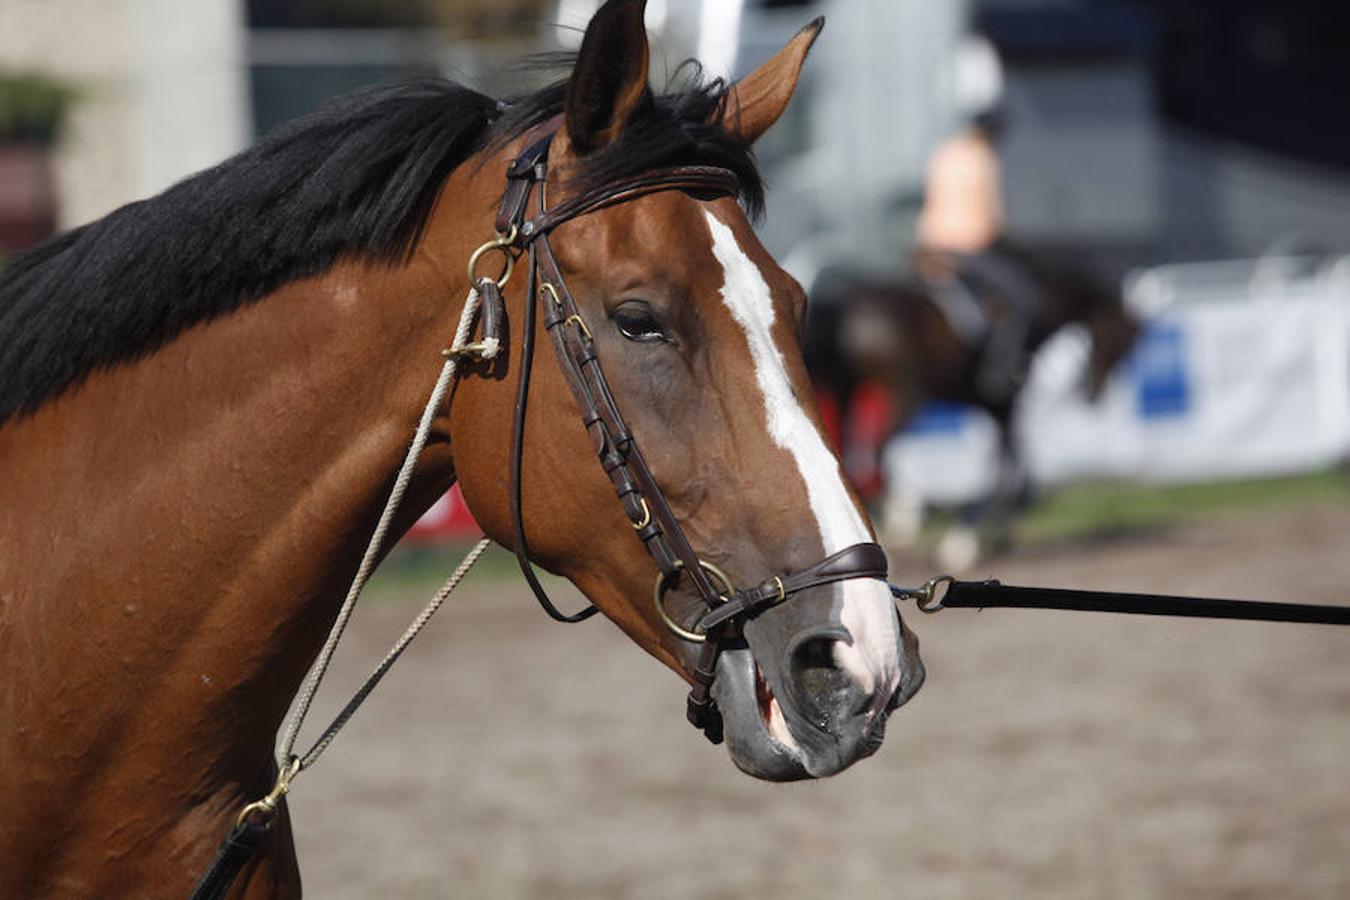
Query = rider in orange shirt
x=983 y=286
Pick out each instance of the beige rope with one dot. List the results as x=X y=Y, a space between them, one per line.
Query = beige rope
x=402 y=644
x=286 y=746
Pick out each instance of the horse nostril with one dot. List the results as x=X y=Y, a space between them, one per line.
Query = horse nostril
x=828 y=694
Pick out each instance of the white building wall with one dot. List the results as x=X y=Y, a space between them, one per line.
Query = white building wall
x=164 y=89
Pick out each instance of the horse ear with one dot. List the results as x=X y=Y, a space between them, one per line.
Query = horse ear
x=609 y=83
x=757 y=100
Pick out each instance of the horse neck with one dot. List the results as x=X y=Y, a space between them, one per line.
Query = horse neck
x=178 y=532
x=1071 y=294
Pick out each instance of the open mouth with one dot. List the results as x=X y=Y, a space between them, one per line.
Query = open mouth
x=771 y=713
x=764 y=696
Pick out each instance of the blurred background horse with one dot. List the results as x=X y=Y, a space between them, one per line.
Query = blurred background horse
x=959 y=337
x=965 y=325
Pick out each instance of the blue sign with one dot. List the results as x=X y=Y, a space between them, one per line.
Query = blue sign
x=1158 y=367
x=937 y=417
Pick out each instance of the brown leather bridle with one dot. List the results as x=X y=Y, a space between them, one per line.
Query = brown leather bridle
x=643 y=501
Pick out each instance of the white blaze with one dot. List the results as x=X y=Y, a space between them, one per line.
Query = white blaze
x=867 y=612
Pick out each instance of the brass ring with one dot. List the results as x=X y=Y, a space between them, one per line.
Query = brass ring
x=502 y=243
x=782 y=591
x=658 y=594
x=646 y=515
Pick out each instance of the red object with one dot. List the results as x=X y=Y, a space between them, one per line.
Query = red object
x=871 y=419
x=858 y=441
x=447 y=520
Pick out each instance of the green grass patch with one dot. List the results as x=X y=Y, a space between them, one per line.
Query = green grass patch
x=423 y=568
x=1103 y=509
x=414 y=572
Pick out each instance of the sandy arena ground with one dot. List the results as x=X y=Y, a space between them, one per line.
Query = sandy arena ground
x=1050 y=754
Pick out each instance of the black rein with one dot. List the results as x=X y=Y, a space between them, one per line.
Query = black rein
x=946 y=592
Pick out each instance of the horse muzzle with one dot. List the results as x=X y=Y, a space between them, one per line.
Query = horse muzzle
x=808 y=700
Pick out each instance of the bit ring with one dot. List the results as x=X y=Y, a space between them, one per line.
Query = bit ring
x=659 y=592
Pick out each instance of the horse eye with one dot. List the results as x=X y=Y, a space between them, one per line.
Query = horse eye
x=637 y=322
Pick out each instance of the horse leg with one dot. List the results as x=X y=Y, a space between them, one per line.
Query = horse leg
x=963 y=545
x=985 y=526
x=901 y=510
x=900 y=517
x=1008 y=497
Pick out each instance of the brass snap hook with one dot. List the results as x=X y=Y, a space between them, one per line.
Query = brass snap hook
x=266 y=808
x=929 y=597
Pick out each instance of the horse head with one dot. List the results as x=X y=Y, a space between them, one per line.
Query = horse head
x=699 y=333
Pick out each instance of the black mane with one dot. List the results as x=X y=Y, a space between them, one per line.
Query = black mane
x=357 y=179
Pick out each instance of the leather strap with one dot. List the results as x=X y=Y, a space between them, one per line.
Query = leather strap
x=856 y=561
x=236 y=849
x=611 y=438
x=517 y=454
x=699 y=179
x=521 y=177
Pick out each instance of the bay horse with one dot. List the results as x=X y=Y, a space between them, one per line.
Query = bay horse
x=206 y=395
x=949 y=335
